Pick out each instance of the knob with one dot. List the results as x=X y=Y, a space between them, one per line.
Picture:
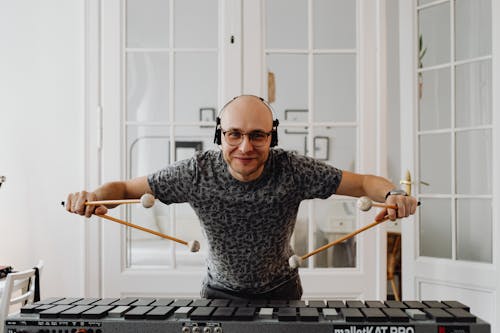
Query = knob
x=207 y=329
x=186 y=329
x=196 y=329
x=218 y=329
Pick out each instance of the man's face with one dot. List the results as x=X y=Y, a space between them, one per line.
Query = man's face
x=246 y=114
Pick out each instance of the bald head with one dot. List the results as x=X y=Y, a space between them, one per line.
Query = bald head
x=247 y=108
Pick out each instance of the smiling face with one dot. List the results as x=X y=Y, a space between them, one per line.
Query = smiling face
x=246 y=114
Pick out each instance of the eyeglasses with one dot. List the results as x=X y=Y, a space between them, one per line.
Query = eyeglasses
x=257 y=138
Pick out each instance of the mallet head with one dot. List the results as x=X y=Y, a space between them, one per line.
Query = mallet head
x=147 y=200
x=194 y=246
x=295 y=261
x=364 y=203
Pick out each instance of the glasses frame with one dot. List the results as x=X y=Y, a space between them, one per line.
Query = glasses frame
x=249 y=135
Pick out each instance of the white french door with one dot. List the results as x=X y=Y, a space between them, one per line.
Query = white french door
x=167 y=67
x=448 y=56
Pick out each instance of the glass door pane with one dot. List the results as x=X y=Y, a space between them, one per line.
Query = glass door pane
x=434 y=30
x=196 y=77
x=435 y=99
x=334 y=24
x=335 y=88
x=286 y=22
x=196 y=23
x=436 y=228
x=147 y=86
x=473 y=94
x=290 y=72
x=147 y=24
x=435 y=163
x=474 y=162
x=472 y=28
x=474 y=221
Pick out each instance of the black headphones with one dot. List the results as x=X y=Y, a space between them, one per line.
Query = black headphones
x=274 y=131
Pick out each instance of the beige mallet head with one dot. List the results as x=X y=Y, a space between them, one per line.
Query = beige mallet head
x=295 y=261
x=364 y=204
x=147 y=200
x=194 y=246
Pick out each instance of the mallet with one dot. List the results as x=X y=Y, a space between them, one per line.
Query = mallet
x=365 y=204
x=147 y=201
x=295 y=261
x=193 y=245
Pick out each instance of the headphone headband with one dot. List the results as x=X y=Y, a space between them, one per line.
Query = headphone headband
x=219 y=114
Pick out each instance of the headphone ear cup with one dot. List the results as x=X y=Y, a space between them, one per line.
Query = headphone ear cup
x=217 y=135
x=274 y=133
x=274 y=138
x=217 y=139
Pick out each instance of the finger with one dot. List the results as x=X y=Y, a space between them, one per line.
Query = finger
x=401 y=209
x=381 y=215
x=414 y=206
x=74 y=202
x=392 y=213
x=409 y=206
x=89 y=209
x=68 y=202
x=393 y=216
x=101 y=210
x=79 y=206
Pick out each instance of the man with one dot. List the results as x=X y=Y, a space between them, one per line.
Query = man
x=247 y=196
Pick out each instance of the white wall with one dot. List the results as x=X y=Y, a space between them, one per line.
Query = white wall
x=41 y=138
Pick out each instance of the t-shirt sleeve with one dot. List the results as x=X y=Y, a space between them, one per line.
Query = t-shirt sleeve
x=316 y=179
x=174 y=183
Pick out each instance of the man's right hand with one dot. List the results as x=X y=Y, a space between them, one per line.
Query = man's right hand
x=76 y=204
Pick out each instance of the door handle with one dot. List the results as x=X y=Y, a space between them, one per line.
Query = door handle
x=407 y=182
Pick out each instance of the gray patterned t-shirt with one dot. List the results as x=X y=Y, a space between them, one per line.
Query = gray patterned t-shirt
x=248 y=225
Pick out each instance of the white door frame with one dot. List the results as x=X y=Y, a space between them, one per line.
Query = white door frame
x=476 y=282
x=92 y=255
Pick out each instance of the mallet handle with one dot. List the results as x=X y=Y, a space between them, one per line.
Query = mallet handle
x=341 y=239
x=112 y=202
x=114 y=219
